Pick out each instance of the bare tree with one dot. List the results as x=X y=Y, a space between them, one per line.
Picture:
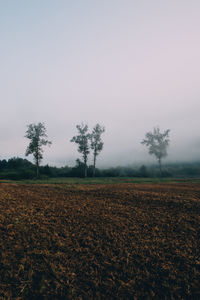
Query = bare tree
x=157 y=144
x=37 y=135
x=96 y=143
x=82 y=140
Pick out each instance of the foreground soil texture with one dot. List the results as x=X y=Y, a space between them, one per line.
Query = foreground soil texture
x=121 y=241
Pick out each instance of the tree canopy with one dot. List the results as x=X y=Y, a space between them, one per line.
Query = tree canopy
x=96 y=143
x=37 y=135
x=157 y=143
x=82 y=140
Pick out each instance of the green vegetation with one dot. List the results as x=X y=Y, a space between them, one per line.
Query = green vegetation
x=157 y=144
x=22 y=169
x=88 y=141
x=36 y=133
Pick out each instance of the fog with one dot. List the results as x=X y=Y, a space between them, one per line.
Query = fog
x=128 y=65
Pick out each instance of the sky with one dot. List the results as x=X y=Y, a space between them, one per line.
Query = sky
x=125 y=64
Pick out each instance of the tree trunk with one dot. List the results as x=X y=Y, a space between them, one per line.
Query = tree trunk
x=160 y=167
x=85 y=170
x=37 y=162
x=37 y=168
x=94 y=166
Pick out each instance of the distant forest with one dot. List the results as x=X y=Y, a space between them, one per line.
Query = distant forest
x=18 y=168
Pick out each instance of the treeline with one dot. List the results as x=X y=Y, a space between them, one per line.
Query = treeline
x=86 y=141
x=91 y=142
x=18 y=168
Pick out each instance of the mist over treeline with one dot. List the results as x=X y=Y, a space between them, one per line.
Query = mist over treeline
x=90 y=142
x=17 y=168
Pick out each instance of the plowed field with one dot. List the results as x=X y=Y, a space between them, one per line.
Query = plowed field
x=121 y=241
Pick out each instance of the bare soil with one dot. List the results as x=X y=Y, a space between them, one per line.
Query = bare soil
x=121 y=241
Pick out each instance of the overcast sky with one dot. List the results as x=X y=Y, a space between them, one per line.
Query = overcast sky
x=129 y=65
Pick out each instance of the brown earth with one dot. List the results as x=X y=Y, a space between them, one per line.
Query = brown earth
x=121 y=241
